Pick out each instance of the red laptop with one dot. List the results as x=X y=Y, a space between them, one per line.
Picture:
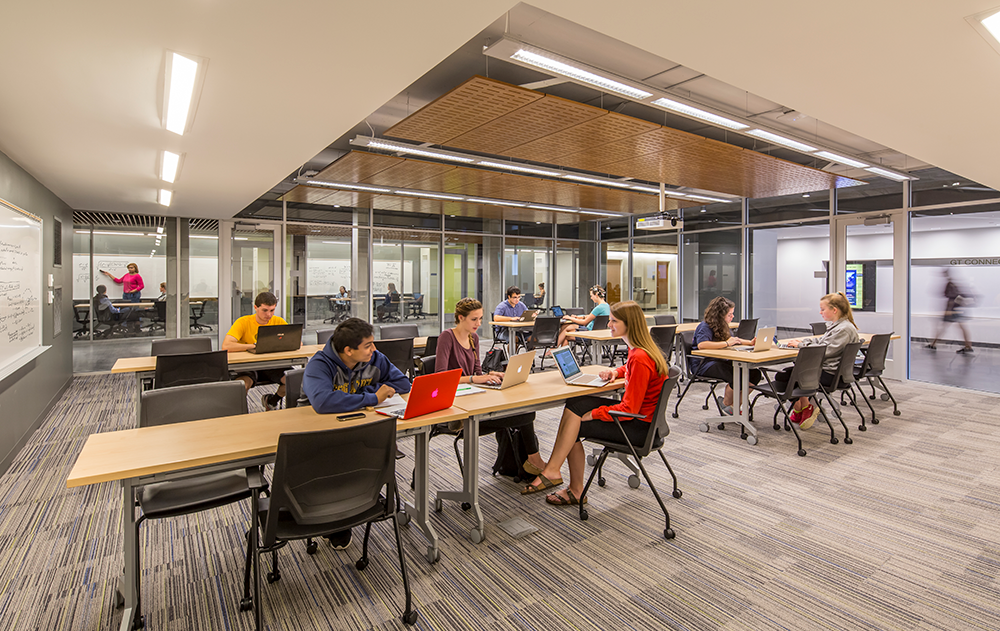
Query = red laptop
x=429 y=393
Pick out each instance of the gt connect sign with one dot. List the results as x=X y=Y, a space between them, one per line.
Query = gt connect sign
x=974 y=262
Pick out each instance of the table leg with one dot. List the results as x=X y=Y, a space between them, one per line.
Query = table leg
x=138 y=397
x=131 y=619
x=511 y=342
x=596 y=350
x=469 y=495
x=419 y=510
x=741 y=397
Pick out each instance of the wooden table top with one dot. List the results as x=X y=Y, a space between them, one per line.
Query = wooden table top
x=141 y=305
x=143 y=364
x=605 y=334
x=147 y=451
x=775 y=354
x=513 y=323
x=540 y=388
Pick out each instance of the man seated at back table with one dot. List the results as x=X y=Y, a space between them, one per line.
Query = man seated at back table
x=242 y=336
x=511 y=309
x=349 y=374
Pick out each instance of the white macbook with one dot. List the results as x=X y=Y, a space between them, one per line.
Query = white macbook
x=764 y=337
x=518 y=369
x=571 y=372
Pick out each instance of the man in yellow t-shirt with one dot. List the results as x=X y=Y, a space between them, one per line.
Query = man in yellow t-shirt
x=242 y=336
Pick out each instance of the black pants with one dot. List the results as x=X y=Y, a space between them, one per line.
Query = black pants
x=723 y=370
x=524 y=422
x=781 y=379
x=635 y=429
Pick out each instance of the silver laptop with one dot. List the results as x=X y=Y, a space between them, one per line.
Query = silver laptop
x=764 y=337
x=529 y=315
x=518 y=369
x=571 y=372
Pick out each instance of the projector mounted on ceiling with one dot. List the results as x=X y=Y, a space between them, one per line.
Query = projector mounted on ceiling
x=659 y=223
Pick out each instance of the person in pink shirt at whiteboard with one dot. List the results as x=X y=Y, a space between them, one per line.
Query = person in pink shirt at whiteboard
x=131 y=283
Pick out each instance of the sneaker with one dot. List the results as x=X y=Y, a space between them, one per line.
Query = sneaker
x=796 y=416
x=726 y=409
x=962 y=351
x=808 y=416
x=340 y=540
x=270 y=401
x=931 y=346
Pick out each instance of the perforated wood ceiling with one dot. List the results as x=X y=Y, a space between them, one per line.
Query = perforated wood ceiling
x=490 y=116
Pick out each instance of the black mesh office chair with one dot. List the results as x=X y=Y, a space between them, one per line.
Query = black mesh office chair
x=399 y=353
x=426 y=364
x=197 y=313
x=191 y=368
x=415 y=308
x=304 y=504
x=108 y=324
x=747 y=329
x=159 y=321
x=574 y=310
x=658 y=431
x=583 y=346
x=430 y=348
x=872 y=368
x=323 y=335
x=844 y=383
x=665 y=337
x=545 y=335
x=664 y=318
x=692 y=377
x=180 y=346
x=803 y=382
x=396 y=331
x=190 y=495
x=81 y=328
x=818 y=328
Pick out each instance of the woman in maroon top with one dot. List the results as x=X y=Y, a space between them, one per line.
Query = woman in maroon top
x=587 y=416
x=459 y=348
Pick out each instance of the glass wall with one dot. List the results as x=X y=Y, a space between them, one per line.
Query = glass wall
x=324 y=262
x=406 y=286
x=711 y=268
x=203 y=279
x=253 y=268
x=526 y=265
x=655 y=279
x=614 y=270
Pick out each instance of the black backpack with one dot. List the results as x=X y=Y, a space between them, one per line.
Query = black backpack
x=495 y=360
x=511 y=456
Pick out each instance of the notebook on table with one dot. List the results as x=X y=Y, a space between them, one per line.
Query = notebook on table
x=278 y=337
x=429 y=393
x=571 y=372
x=518 y=369
x=764 y=337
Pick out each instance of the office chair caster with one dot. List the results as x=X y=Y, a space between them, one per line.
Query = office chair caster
x=777 y=427
x=721 y=426
x=410 y=617
x=802 y=452
x=246 y=604
x=477 y=535
x=274 y=576
x=875 y=421
x=402 y=518
x=674 y=414
x=704 y=427
x=704 y=407
x=466 y=506
x=677 y=493
x=633 y=481
x=668 y=533
x=896 y=412
x=884 y=396
x=834 y=440
x=751 y=439
x=362 y=563
x=311 y=547
x=601 y=481
x=862 y=428
x=591 y=460
x=584 y=515
x=848 y=441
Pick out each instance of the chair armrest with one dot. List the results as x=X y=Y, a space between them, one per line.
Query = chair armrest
x=255 y=478
x=615 y=414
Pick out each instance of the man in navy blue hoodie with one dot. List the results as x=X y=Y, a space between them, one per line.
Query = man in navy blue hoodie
x=347 y=375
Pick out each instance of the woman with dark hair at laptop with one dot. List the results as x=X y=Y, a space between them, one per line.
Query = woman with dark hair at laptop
x=713 y=334
x=587 y=417
x=459 y=348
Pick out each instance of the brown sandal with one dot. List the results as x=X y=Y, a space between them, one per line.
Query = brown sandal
x=558 y=500
x=546 y=485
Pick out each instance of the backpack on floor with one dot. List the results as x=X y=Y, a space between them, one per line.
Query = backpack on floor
x=495 y=360
x=511 y=456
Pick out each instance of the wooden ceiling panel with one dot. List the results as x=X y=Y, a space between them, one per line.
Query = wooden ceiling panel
x=326 y=196
x=472 y=104
x=408 y=173
x=585 y=137
x=357 y=166
x=600 y=159
x=538 y=118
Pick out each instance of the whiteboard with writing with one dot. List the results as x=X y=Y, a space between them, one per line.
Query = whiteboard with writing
x=20 y=288
x=203 y=272
x=325 y=276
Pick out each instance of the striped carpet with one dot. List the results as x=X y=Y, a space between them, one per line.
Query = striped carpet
x=897 y=531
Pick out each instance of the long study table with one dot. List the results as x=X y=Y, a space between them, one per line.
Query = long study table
x=180 y=450
x=541 y=391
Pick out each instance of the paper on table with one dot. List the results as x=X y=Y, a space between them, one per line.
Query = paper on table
x=391 y=401
x=465 y=388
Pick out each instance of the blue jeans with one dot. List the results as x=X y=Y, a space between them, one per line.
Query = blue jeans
x=130 y=296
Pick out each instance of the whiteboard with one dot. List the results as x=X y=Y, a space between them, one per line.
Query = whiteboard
x=20 y=288
x=325 y=276
x=203 y=274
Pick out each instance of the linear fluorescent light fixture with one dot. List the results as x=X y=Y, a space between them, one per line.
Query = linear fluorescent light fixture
x=591 y=212
x=889 y=174
x=353 y=187
x=165 y=197
x=510 y=166
x=555 y=208
x=456 y=198
x=181 y=77
x=781 y=140
x=833 y=157
x=693 y=112
x=706 y=198
x=992 y=24
x=594 y=180
x=494 y=202
x=168 y=166
x=426 y=153
x=558 y=67
x=202 y=236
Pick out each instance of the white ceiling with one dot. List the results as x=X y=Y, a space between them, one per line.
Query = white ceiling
x=80 y=82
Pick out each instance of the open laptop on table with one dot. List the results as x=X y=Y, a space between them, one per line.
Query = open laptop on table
x=518 y=369
x=529 y=315
x=429 y=393
x=557 y=311
x=278 y=337
x=764 y=337
x=571 y=372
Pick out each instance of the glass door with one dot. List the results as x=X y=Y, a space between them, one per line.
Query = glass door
x=253 y=268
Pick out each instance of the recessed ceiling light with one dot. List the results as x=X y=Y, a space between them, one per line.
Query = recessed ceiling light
x=159 y=230
x=182 y=72
x=165 y=197
x=558 y=67
x=694 y=112
x=781 y=140
x=992 y=25
x=835 y=157
x=168 y=166
x=805 y=195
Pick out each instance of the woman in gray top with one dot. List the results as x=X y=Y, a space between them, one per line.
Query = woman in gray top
x=840 y=331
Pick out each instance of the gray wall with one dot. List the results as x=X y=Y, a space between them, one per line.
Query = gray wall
x=28 y=394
